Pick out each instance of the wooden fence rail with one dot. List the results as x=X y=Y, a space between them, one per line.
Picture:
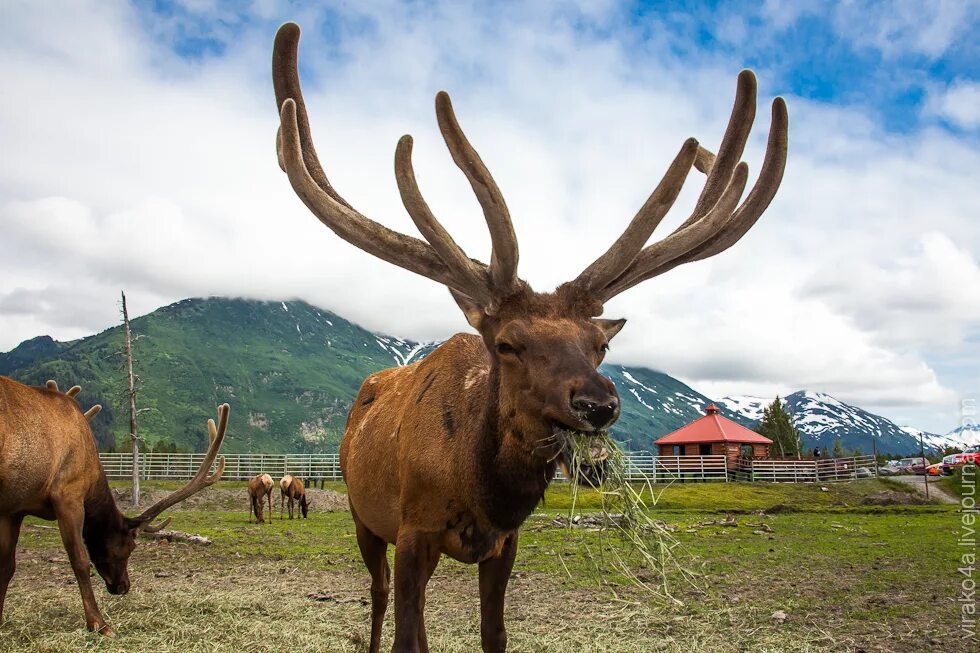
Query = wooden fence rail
x=639 y=467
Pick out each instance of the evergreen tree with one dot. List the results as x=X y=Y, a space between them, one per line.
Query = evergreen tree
x=777 y=425
x=838 y=448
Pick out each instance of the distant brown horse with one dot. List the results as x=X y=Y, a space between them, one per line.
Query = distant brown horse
x=49 y=468
x=291 y=488
x=260 y=486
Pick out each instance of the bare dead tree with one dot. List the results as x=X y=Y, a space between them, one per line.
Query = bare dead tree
x=131 y=392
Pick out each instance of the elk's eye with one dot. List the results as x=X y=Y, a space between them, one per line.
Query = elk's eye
x=505 y=349
x=604 y=348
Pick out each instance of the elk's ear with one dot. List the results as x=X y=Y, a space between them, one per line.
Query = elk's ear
x=609 y=327
x=474 y=312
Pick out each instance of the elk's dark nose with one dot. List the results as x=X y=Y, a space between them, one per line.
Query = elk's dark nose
x=598 y=411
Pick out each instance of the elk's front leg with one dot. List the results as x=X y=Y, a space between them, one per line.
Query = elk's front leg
x=9 y=532
x=494 y=574
x=70 y=518
x=416 y=557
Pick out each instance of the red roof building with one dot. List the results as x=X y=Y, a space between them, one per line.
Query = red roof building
x=713 y=435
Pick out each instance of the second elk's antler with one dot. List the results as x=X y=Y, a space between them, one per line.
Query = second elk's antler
x=717 y=222
x=202 y=479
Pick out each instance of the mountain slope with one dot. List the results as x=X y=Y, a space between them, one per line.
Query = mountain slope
x=968 y=435
x=289 y=370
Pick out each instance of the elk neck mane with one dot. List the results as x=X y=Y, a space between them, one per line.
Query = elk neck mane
x=509 y=480
x=102 y=516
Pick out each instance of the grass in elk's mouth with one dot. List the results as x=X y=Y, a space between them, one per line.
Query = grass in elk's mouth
x=646 y=552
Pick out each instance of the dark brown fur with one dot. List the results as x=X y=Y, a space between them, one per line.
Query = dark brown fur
x=451 y=454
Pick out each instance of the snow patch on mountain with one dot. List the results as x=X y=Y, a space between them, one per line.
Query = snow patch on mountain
x=746 y=405
x=966 y=435
x=821 y=419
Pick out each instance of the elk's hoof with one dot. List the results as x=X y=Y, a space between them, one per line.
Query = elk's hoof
x=105 y=630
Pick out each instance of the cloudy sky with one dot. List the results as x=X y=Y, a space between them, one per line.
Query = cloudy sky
x=138 y=144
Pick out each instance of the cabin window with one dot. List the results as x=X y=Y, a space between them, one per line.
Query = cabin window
x=676 y=450
x=704 y=449
x=746 y=451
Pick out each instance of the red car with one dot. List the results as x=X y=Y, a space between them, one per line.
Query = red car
x=969 y=455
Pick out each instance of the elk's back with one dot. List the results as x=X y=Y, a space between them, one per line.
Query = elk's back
x=46 y=446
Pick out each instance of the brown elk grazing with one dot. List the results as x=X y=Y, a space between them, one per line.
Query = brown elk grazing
x=260 y=489
x=49 y=468
x=292 y=489
x=451 y=454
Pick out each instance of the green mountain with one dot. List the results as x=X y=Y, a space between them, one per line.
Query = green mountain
x=289 y=370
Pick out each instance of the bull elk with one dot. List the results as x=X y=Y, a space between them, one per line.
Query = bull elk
x=450 y=455
x=291 y=489
x=49 y=468
x=259 y=490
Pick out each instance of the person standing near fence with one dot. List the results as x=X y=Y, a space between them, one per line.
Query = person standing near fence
x=816 y=453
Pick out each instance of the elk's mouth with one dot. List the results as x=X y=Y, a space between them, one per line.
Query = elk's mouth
x=564 y=432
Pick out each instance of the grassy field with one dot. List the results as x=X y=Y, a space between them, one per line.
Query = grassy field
x=848 y=576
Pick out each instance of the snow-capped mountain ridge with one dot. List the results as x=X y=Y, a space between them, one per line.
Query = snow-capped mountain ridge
x=822 y=418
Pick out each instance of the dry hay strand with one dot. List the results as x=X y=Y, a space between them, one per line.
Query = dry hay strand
x=645 y=552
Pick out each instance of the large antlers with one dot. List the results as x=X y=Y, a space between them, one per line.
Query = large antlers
x=716 y=223
x=440 y=259
x=201 y=479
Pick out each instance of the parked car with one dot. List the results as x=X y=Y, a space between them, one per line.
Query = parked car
x=912 y=465
x=969 y=455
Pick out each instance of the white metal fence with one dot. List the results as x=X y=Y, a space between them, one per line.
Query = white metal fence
x=640 y=467
x=238 y=467
x=825 y=470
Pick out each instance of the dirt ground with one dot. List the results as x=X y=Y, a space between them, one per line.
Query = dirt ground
x=919 y=484
x=218 y=498
x=860 y=578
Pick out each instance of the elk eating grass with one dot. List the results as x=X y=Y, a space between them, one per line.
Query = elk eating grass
x=449 y=455
x=259 y=490
x=292 y=490
x=49 y=468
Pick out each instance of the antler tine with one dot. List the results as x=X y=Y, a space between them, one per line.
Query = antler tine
x=51 y=384
x=704 y=160
x=74 y=390
x=92 y=412
x=618 y=257
x=732 y=145
x=201 y=479
x=740 y=221
x=504 y=254
x=298 y=158
x=156 y=528
x=470 y=275
x=682 y=240
x=285 y=81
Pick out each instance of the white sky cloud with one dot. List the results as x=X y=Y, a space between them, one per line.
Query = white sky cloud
x=959 y=103
x=136 y=169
